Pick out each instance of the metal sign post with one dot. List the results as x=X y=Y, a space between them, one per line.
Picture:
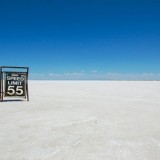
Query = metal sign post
x=14 y=83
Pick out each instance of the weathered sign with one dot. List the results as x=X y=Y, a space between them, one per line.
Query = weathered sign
x=15 y=84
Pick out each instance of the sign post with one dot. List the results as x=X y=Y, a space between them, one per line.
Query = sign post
x=14 y=83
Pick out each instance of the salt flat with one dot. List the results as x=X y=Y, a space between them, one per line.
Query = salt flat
x=83 y=120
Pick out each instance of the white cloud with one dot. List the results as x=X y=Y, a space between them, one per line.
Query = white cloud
x=96 y=76
x=94 y=71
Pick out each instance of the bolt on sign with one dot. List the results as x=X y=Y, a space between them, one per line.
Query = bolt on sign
x=14 y=83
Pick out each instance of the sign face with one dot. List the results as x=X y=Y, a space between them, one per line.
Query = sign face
x=15 y=84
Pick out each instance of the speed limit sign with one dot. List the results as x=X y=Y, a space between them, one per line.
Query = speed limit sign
x=15 y=84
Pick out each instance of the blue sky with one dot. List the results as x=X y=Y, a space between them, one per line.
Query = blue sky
x=82 y=39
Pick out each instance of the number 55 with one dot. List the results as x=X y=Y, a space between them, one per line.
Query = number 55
x=12 y=91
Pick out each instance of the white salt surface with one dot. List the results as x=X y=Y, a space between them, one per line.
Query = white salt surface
x=83 y=120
